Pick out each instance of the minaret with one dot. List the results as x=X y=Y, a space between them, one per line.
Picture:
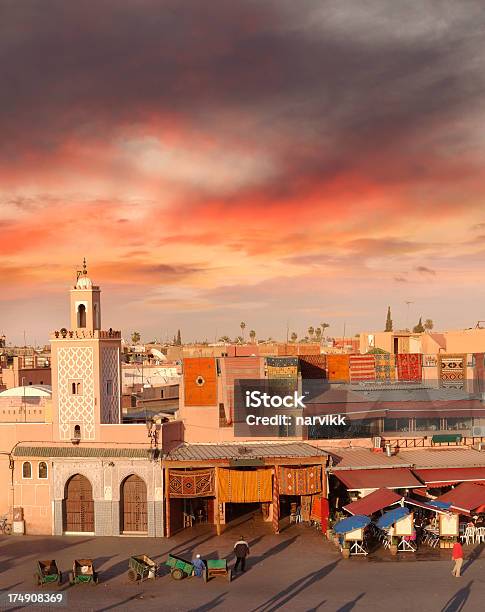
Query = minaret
x=86 y=368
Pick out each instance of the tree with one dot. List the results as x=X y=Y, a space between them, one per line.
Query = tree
x=388 y=320
x=239 y=340
x=294 y=336
x=311 y=331
x=318 y=333
x=428 y=324
x=324 y=326
x=135 y=337
x=252 y=335
x=225 y=339
x=179 y=338
x=417 y=329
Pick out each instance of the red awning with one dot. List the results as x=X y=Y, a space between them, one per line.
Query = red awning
x=389 y=478
x=382 y=498
x=441 y=477
x=467 y=497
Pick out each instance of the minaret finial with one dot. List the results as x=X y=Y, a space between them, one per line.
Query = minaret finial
x=85 y=267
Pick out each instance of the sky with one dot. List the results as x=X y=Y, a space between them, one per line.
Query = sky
x=275 y=162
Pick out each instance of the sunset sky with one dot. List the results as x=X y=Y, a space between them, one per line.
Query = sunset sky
x=221 y=161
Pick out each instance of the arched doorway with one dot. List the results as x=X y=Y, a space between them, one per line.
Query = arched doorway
x=134 y=504
x=78 y=505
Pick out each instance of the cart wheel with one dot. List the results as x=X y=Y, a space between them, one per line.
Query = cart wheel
x=36 y=579
x=206 y=575
x=59 y=578
x=71 y=578
x=229 y=575
x=7 y=530
x=177 y=574
x=132 y=575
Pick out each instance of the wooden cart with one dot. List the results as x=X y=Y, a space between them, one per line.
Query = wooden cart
x=217 y=567
x=179 y=568
x=141 y=568
x=83 y=572
x=47 y=573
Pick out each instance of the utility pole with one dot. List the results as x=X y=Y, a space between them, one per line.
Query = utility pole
x=408 y=302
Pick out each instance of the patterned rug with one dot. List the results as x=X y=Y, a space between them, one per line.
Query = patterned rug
x=362 y=367
x=282 y=367
x=237 y=368
x=199 y=483
x=300 y=481
x=452 y=371
x=409 y=366
x=338 y=367
x=385 y=367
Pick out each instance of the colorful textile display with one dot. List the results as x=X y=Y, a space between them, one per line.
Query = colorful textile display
x=320 y=511
x=237 y=368
x=300 y=481
x=245 y=486
x=479 y=373
x=409 y=366
x=306 y=508
x=313 y=366
x=338 y=367
x=276 y=503
x=197 y=483
x=362 y=367
x=385 y=367
x=282 y=367
x=200 y=381
x=452 y=370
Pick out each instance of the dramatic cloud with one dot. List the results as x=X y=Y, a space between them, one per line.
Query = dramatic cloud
x=187 y=148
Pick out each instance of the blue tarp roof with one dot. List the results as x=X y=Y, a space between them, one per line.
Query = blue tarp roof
x=352 y=522
x=389 y=518
x=439 y=504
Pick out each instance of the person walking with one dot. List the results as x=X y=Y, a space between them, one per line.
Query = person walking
x=241 y=549
x=457 y=556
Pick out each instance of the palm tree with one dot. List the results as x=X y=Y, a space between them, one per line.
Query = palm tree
x=135 y=337
x=242 y=325
x=252 y=335
x=428 y=324
x=294 y=336
x=318 y=334
x=324 y=326
x=311 y=331
x=239 y=340
x=225 y=339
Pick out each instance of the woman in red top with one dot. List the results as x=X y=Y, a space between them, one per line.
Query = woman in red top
x=457 y=556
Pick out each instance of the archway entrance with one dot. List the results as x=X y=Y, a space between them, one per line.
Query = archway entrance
x=78 y=505
x=134 y=515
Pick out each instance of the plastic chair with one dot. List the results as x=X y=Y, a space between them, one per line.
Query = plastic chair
x=480 y=534
x=469 y=536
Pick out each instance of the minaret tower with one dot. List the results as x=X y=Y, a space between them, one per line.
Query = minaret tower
x=86 y=368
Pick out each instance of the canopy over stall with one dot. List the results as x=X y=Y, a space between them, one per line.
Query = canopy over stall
x=441 y=477
x=375 y=501
x=466 y=497
x=389 y=478
x=439 y=509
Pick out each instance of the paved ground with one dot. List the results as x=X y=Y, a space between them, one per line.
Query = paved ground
x=295 y=571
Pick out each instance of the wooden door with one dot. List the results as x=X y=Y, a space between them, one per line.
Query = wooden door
x=79 y=505
x=134 y=504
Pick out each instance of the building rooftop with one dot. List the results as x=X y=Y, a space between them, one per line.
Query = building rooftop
x=28 y=391
x=364 y=459
x=443 y=457
x=79 y=451
x=244 y=450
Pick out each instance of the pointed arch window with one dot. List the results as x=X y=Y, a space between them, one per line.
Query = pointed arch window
x=81 y=315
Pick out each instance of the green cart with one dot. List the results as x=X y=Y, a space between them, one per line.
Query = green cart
x=47 y=573
x=179 y=568
x=83 y=572
x=217 y=567
x=141 y=567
